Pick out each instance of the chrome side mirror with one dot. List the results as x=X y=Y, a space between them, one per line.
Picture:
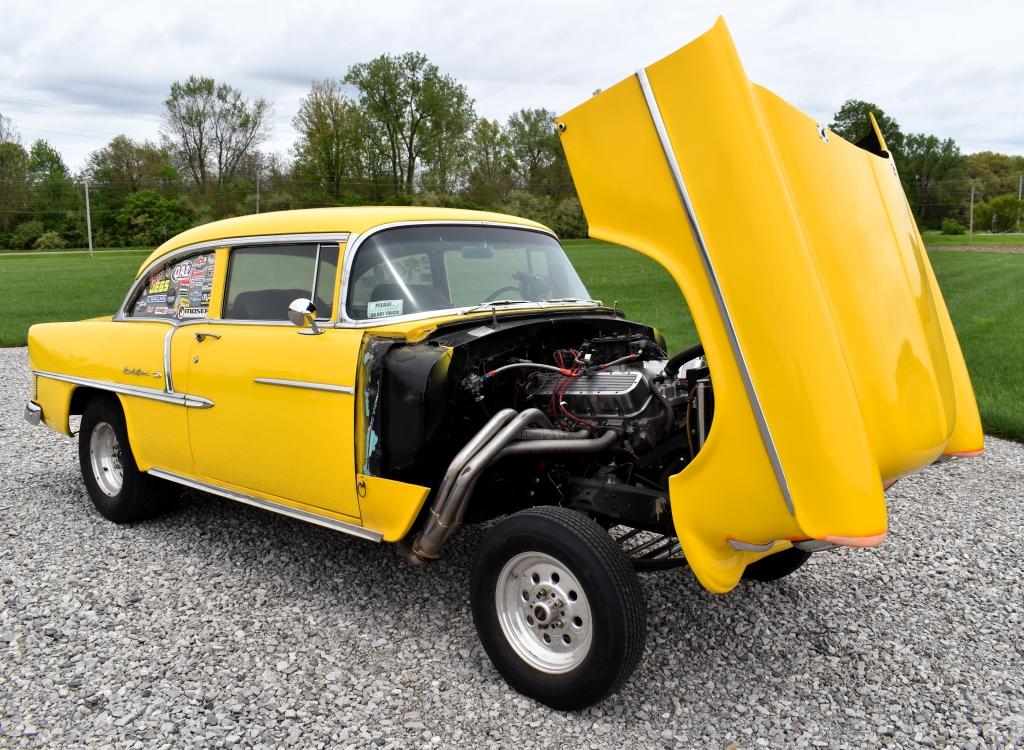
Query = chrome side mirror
x=302 y=312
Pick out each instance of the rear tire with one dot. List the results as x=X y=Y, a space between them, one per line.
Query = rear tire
x=558 y=607
x=776 y=566
x=120 y=492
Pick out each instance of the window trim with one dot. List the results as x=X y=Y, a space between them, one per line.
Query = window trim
x=212 y=245
x=356 y=241
x=327 y=319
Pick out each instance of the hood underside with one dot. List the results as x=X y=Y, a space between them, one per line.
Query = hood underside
x=835 y=364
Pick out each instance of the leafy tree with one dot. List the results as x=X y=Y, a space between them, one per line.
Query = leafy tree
x=852 y=123
x=210 y=128
x=129 y=165
x=491 y=164
x=334 y=139
x=14 y=184
x=995 y=174
x=934 y=176
x=999 y=214
x=446 y=136
x=534 y=144
x=416 y=109
x=147 y=218
x=53 y=194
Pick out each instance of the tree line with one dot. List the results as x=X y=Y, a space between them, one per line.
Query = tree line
x=406 y=134
x=938 y=178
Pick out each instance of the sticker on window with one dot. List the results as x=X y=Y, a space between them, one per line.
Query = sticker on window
x=383 y=308
x=180 y=290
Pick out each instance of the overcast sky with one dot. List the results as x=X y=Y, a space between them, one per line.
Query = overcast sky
x=77 y=73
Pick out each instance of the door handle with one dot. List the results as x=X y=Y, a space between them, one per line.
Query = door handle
x=201 y=336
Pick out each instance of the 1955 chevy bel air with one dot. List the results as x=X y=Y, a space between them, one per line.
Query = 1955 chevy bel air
x=393 y=373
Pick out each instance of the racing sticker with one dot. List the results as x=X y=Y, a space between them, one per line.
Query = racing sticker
x=384 y=308
x=185 y=313
x=182 y=271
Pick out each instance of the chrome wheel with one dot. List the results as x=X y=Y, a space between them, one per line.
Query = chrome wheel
x=105 y=457
x=543 y=612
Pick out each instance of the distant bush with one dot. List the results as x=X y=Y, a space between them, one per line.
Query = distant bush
x=568 y=220
x=25 y=235
x=49 y=241
x=952 y=226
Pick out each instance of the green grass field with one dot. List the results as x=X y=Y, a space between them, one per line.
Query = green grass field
x=937 y=238
x=984 y=292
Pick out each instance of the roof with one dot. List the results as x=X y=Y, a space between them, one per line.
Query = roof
x=351 y=219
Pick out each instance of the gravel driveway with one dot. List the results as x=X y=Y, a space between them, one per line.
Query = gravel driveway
x=221 y=625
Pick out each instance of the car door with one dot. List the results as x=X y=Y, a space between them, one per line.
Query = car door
x=281 y=424
x=139 y=347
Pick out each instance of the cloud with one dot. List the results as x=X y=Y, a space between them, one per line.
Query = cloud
x=936 y=67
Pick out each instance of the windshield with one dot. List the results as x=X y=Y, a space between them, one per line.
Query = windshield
x=421 y=268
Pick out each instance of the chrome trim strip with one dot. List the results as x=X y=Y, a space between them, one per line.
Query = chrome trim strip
x=258 y=502
x=33 y=413
x=263 y=239
x=815 y=545
x=168 y=381
x=181 y=399
x=749 y=546
x=356 y=241
x=716 y=289
x=306 y=385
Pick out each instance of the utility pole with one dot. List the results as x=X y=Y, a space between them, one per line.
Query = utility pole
x=970 y=235
x=257 y=190
x=88 y=216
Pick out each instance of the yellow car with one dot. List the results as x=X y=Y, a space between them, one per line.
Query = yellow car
x=393 y=373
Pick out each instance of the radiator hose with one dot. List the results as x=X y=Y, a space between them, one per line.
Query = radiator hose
x=680 y=359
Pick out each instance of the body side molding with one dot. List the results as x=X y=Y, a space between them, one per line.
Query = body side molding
x=181 y=399
x=258 y=502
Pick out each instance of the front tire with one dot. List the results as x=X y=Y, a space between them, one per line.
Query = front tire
x=558 y=607
x=120 y=492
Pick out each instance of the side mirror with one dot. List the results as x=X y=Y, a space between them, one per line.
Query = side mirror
x=302 y=312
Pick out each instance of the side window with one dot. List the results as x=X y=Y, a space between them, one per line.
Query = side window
x=263 y=281
x=179 y=290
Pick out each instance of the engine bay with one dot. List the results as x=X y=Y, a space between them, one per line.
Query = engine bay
x=606 y=415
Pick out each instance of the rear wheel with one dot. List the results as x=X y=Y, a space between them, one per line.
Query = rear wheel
x=120 y=492
x=557 y=606
x=776 y=566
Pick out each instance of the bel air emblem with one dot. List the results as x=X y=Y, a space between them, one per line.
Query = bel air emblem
x=141 y=373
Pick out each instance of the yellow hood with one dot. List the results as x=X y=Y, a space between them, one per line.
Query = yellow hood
x=835 y=364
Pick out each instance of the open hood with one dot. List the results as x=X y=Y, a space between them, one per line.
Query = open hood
x=835 y=365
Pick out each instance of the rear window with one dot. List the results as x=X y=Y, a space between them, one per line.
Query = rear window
x=179 y=290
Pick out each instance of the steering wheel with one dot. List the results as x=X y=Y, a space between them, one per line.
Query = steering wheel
x=494 y=295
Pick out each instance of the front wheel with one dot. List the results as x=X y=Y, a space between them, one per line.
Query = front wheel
x=558 y=607
x=120 y=492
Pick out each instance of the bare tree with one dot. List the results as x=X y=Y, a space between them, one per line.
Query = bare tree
x=8 y=133
x=210 y=128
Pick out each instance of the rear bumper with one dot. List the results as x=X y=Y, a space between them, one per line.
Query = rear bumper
x=33 y=413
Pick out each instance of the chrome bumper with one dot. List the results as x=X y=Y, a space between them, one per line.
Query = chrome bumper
x=33 y=413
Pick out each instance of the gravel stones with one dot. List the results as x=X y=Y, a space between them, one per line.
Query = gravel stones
x=219 y=625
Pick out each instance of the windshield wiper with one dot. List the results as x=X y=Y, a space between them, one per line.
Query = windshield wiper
x=497 y=303
x=572 y=299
